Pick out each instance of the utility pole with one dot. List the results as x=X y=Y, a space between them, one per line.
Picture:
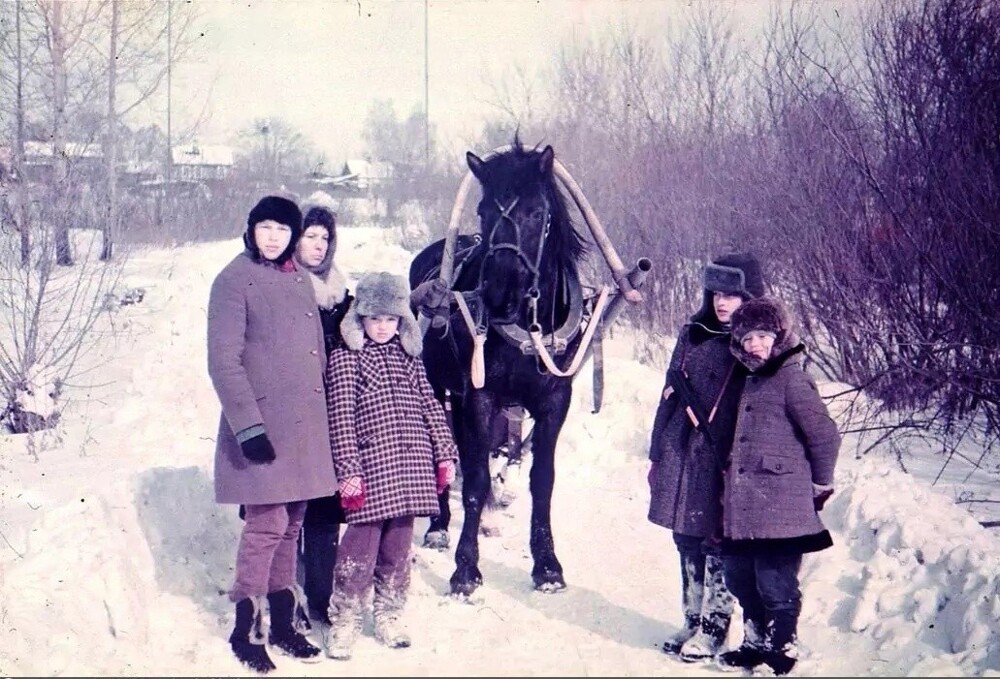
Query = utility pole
x=427 y=96
x=170 y=58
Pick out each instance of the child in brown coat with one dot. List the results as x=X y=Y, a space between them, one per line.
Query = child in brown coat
x=780 y=474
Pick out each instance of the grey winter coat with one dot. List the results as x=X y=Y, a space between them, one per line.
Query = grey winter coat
x=785 y=442
x=266 y=361
x=387 y=427
x=686 y=486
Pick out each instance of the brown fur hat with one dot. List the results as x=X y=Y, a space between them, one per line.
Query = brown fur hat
x=381 y=293
x=767 y=314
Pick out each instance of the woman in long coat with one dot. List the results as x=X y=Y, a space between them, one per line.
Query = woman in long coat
x=266 y=362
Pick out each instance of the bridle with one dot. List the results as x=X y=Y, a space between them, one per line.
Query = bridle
x=534 y=267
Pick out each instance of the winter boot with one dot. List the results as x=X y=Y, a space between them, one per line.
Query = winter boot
x=716 y=613
x=344 y=630
x=247 y=639
x=751 y=651
x=707 y=641
x=673 y=645
x=390 y=631
x=780 y=652
x=387 y=605
x=692 y=594
x=319 y=554
x=283 y=635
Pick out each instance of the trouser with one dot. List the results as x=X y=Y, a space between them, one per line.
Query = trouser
x=320 y=537
x=767 y=587
x=267 y=554
x=374 y=554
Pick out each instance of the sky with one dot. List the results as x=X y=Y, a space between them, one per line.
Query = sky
x=319 y=63
x=115 y=559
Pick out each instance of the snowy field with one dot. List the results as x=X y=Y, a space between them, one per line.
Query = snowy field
x=114 y=558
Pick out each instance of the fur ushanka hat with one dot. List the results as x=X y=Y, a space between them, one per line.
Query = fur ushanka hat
x=278 y=209
x=766 y=314
x=738 y=273
x=376 y=294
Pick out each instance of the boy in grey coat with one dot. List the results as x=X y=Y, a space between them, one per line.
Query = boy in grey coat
x=780 y=474
x=685 y=477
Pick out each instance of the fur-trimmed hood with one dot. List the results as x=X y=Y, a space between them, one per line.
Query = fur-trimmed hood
x=381 y=293
x=768 y=314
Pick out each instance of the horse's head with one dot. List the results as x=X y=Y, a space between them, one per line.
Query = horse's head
x=525 y=227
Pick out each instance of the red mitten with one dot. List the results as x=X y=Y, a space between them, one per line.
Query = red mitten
x=352 y=493
x=445 y=475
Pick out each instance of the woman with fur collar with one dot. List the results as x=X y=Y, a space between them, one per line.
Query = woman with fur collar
x=393 y=453
x=314 y=254
x=780 y=474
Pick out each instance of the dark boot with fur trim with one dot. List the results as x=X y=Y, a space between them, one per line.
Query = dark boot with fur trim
x=247 y=639
x=283 y=634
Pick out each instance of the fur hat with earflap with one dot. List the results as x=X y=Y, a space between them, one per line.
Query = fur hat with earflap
x=738 y=273
x=377 y=294
x=765 y=314
x=277 y=209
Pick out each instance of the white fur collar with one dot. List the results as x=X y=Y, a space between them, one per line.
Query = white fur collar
x=329 y=292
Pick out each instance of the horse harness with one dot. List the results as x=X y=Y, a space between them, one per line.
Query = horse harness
x=529 y=341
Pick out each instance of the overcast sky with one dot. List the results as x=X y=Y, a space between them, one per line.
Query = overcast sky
x=319 y=63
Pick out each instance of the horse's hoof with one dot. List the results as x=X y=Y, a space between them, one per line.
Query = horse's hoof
x=437 y=539
x=550 y=587
x=549 y=581
x=465 y=584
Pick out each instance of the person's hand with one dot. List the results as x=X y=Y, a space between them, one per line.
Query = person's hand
x=352 y=493
x=430 y=294
x=445 y=475
x=258 y=449
x=821 y=494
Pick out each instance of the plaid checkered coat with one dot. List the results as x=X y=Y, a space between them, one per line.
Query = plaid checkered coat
x=386 y=427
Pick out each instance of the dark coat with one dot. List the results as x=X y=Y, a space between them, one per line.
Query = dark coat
x=686 y=489
x=387 y=427
x=330 y=319
x=266 y=360
x=785 y=441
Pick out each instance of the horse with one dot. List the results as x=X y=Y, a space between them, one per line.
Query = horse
x=504 y=333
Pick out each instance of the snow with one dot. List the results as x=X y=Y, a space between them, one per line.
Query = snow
x=115 y=559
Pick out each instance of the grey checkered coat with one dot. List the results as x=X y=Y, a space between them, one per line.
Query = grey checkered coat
x=387 y=427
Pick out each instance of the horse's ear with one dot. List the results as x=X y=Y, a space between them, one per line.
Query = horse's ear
x=476 y=164
x=545 y=160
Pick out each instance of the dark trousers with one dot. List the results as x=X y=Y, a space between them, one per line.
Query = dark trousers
x=318 y=545
x=767 y=587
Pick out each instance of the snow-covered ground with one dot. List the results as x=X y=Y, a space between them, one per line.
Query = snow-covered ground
x=114 y=558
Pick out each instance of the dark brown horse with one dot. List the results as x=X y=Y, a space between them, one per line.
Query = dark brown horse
x=520 y=287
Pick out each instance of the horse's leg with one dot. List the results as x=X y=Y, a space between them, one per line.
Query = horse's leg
x=549 y=416
x=436 y=536
x=477 y=417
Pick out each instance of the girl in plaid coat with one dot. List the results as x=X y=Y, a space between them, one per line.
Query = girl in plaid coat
x=393 y=453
